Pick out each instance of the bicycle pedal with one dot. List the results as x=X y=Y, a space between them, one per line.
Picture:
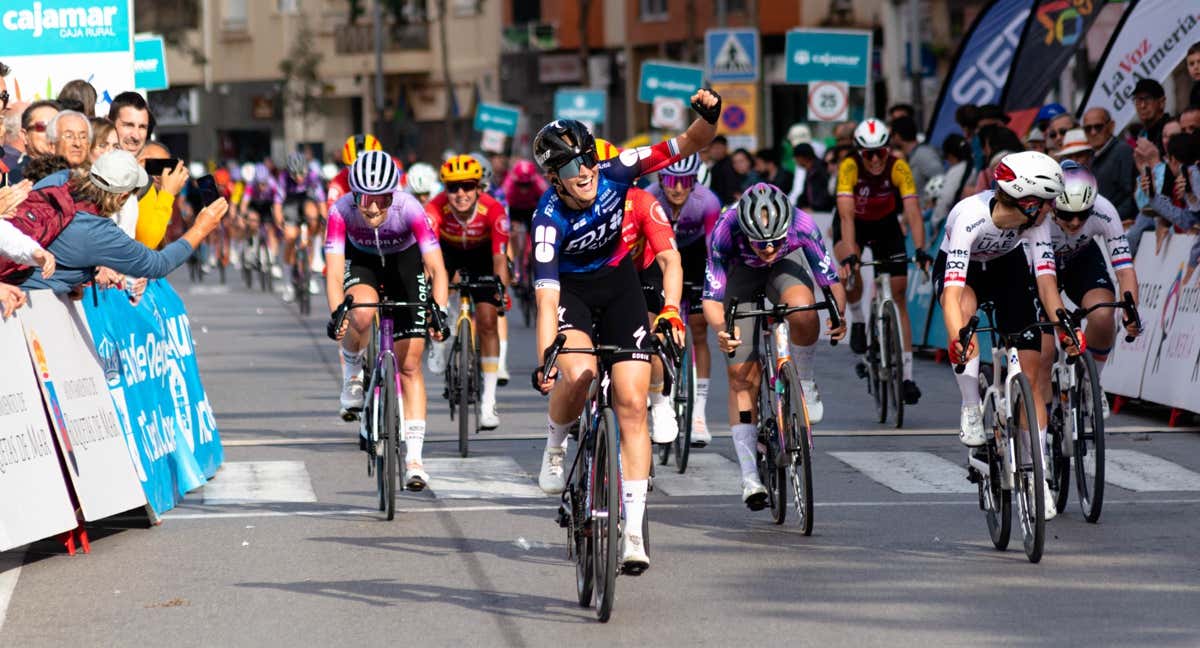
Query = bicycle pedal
x=861 y=370
x=973 y=475
x=634 y=568
x=563 y=518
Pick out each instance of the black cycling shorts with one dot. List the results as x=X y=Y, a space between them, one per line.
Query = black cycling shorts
x=264 y=208
x=694 y=258
x=293 y=209
x=396 y=277
x=1007 y=282
x=883 y=237
x=652 y=288
x=746 y=284
x=524 y=216
x=1084 y=271
x=470 y=264
x=609 y=307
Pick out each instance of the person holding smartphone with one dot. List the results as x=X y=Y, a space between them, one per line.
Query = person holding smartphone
x=168 y=177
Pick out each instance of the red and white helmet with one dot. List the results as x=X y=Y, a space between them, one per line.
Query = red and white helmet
x=1029 y=173
x=872 y=134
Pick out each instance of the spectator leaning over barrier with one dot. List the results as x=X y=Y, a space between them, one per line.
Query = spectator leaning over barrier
x=156 y=206
x=82 y=92
x=15 y=244
x=104 y=137
x=1178 y=203
x=922 y=158
x=1112 y=163
x=131 y=117
x=812 y=177
x=93 y=239
x=1150 y=103
x=1058 y=127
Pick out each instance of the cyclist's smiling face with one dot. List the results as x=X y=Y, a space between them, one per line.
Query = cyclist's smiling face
x=463 y=196
x=582 y=187
x=374 y=208
x=874 y=160
x=677 y=194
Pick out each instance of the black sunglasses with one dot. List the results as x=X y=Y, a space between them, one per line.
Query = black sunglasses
x=873 y=154
x=467 y=186
x=1094 y=128
x=1068 y=216
x=4 y=100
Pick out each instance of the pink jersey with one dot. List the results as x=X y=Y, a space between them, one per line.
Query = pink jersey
x=405 y=224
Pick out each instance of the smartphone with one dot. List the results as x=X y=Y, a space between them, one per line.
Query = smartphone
x=208 y=189
x=157 y=167
x=1150 y=176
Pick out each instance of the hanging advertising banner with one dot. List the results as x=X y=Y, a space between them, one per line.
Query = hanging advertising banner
x=739 y=117
x=34 y=503
x=982 y=64
x=1151 y=39
x=50 y=42
x=1052 y=36
x=82 y=415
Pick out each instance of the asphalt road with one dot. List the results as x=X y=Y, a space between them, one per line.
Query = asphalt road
x=285 y=545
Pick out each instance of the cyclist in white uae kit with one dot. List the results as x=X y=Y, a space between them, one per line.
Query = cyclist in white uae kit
x=992 y=239
x=1082 y=215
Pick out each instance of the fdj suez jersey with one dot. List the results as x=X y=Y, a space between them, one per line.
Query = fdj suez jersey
x=568 y=241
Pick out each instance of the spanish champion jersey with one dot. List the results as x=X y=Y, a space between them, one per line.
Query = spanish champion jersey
x=876 y=196
x=972 y=236
x=1103 y=222
x=488 y=223
x=568 y=241
x=646 y=230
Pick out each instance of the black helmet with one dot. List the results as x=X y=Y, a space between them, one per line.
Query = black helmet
x=559 y=141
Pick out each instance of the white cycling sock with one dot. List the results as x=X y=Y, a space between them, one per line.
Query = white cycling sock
x=701 y=397
x=556 y=433
x=352 y=363
x=414 y=439
x=745 y=442
x=633 y=493
x=656 y=395
x=490 y=365
x=854 y=312
x=908 y=364
x=504 y=353
x=968 y=382
x=804 y=358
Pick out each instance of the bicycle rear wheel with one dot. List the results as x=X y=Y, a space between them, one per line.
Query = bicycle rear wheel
x=1089 y=438
x=1059 y=479
x=685 y=399
x=894 y=346
x=1030 y=482
x=463 y=383
x=798 y=432
x=606 y=514
x=303 y=299
x=995 y=499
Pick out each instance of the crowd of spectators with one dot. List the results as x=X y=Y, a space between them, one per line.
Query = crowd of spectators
x=77 y=205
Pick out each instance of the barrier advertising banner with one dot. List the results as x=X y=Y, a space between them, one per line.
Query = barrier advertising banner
x=142 y=372
x=50 y=42
x=1152 y=38
x=1127 y=361
x=982 y=65
x=81 y=411
x=1172 y=375
x=34 y=503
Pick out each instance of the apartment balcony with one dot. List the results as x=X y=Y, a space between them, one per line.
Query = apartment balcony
x=360 y=38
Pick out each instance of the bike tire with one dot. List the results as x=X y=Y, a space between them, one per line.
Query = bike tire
x=1059 y=478
x=895 y=351
x=606 y=529
x=373 y=419
x=685 y=400
x=463 y=393
x=585 y=566
x=391 y=419
x=303 y=299
x=1089 y=439
x=773 y=475
x=877 y=383
x=998 y=511
x=1031 y=477
x=798 y=432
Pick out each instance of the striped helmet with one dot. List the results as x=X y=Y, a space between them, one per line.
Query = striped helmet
x=764 y=213
x=374 y=173
x=687 y=166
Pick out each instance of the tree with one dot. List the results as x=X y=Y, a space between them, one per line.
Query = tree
x=302 y=87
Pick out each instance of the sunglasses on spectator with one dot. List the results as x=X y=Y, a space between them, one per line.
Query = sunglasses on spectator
x=465 y=186
x=573 y=166
x=763 y=246
x=678 y=182
x=1094 y=128
x=38 y=127
x=1057 y=132
x=1068 y=216
x=382 y=200
x=873 y=154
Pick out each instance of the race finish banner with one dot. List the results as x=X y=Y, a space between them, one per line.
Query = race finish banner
x=1151 y=39
x=1051 y=38
x=50 y=42
x=34 y=503
x=81 y=411
x=982 y=64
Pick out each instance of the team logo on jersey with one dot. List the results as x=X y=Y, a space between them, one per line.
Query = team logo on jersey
x=543 y=239
x=657 y=213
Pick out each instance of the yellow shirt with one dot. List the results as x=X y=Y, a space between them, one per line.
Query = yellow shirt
x=876 y=197
x=154 y=214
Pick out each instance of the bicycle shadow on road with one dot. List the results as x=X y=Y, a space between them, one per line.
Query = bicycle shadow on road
x=533 y=551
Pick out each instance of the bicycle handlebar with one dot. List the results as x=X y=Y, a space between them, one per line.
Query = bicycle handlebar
x=557 y=348
x=972 y=327
x=964 y=339
x=338 y=317
x=1126 y=304
x=855 y=263
x=483 y=281
x=829 y=305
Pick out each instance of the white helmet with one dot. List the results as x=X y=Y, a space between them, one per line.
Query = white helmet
x=374 y=173
x=329 y=171
x=1029 y=173
x=196 y=169
x=872 y=134
x=422 y=179
x=1079 y=189
x=248 y=172
x=486 y=164
x=933 y=188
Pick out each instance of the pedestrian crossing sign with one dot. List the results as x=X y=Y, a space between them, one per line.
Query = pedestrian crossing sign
x=731 y=55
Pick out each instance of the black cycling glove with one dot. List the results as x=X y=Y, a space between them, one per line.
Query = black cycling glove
x=709 y=115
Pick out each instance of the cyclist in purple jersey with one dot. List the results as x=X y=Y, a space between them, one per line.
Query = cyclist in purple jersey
x=587 y=288
x=391 y=250
x=692 y=209
x=262 y=206
x=764 y=245
x=303 y=200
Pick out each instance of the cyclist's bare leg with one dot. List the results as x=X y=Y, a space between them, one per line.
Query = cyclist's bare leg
x=361 y=319
x=804 y=327
x=900 y=299
x=631 y=383
x=487 y=322
x=700 y=346
x=743 y=398
x=575 y=374
x=1101 y=326
x=968 y=380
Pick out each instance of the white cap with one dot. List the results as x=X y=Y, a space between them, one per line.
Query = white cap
x=1074 y=141
x=799 y=134
x=118 y=172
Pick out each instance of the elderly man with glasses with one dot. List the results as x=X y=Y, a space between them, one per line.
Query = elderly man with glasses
x=1112 y=162
x=70 y=133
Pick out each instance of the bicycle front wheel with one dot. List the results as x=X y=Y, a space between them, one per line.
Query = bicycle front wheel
x=606 y=514
x=798 y=432
x=303 y=298
x=996 y=501
x=685 y=399
x=391 y=449
x=463 y=384
x=1089 y=438
x=894 y=347
x=1030 y=482
x=877 y=381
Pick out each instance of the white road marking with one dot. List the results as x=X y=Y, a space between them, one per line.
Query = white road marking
x=910 y=472
x=208 y=290
x=480 y=478
x=10 y=571
x=241 y=482
x=708 y=473
x=1138 y=471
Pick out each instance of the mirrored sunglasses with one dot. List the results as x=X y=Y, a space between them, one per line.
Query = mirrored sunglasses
x=678 y=182
x=763 y=246
x=574 y=165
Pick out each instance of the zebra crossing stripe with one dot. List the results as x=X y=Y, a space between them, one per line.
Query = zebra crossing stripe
x=708 y=473
x=480 y=478
x=242 y=482
x=1141 y=472
x=909 y=472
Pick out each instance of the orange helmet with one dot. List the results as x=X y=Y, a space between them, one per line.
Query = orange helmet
x=461 y=167
x=356 y=145
x=605 y=150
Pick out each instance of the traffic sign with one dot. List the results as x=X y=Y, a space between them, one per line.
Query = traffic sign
x=497 y=117
x=492 y=141
x=583 y=105
x=661 y=79
x=149 y=63
x=731 y=55
x=828 y=101
x=828 y=55
x=669 y=113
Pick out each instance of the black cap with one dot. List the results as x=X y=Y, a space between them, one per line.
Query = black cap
x=992 y=111
x=1149 y=87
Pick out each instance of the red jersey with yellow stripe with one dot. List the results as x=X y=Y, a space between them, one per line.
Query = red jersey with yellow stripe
x=488 y=223
x=876 y=196
x=645 y=230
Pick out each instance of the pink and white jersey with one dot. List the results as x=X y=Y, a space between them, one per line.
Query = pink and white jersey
x=972 y=236
x=1105 y=223
x=696 y=219
x=404 y=225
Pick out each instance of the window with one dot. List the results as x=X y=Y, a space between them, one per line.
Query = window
x=233 y=15
x=730 y=6
x=653 y=9
x=287 y=7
